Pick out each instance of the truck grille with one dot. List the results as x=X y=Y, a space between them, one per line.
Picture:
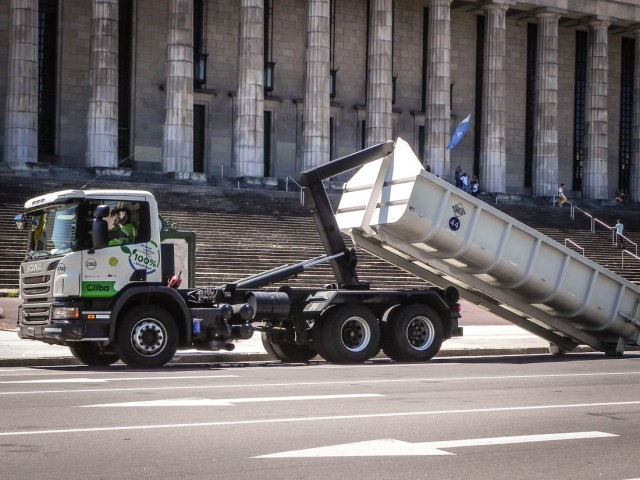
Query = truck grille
x=36 y=279
x=36 y=290
x=36 y=314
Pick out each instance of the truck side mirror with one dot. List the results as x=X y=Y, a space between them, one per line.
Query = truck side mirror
x=99 y=233
x=101 y=211
x=100 y=227
x=21 y=221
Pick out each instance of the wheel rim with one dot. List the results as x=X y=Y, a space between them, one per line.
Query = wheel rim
x=420 y=333
x=356 y=334
x=148 y=337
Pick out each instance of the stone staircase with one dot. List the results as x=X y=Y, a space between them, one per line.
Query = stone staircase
x=240 y=232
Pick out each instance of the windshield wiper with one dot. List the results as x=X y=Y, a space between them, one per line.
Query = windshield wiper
x=38 y=254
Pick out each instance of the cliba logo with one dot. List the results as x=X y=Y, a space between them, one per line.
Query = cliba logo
x=97 y=287
x=91 y=264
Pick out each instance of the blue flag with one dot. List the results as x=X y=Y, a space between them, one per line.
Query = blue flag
x=459 y=132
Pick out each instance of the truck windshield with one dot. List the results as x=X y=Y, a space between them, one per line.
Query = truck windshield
x=53 y=231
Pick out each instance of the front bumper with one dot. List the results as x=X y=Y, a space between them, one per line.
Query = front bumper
x=63 y=332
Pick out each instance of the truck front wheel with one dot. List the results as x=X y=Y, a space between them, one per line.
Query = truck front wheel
x=147 y=337
x=287 y=352
x=413 y=334
x=92 y=355
x=348 y=334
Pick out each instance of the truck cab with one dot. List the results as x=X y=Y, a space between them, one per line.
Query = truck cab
x=61 y=261
x=88 y=252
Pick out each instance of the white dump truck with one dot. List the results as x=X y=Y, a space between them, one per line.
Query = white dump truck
x=99 y=277
x=397 y=211
x=107 y=289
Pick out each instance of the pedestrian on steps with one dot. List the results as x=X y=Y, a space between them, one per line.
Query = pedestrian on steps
x=475 y=186
x=619 y=228
x=457 y=175
x=563 y=199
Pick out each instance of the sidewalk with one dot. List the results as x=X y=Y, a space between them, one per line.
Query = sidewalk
x=477 y=340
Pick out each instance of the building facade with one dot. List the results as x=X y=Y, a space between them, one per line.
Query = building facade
x=268 y=88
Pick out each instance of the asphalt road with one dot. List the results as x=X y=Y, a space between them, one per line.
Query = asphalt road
x=495 y=418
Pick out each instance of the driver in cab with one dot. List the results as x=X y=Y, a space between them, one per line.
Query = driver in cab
x=122 y=231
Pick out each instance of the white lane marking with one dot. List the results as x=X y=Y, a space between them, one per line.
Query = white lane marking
x=224 y=402
x=49 y=370
x=58 y=380
x=397 y=448
x=108 y=380
x=316 y=419
x=307 y=384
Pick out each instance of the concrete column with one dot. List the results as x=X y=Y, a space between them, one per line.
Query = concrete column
x=21 y=110
x=177 y=142
x=545 y=135
x=437 y=109
x=102 y=118
x=248 y=135
x=493 y=171
x=595 y=184
x=379 y=88
x=634 y=189
x=317 y=100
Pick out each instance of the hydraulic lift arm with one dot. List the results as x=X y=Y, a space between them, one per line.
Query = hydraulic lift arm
x=316 y=198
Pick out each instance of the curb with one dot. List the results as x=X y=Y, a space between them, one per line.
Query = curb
x=197 y=358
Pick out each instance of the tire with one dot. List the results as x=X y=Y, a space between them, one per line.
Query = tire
x=92 y=355
x=287 y=352
x=413 y=334
x=348 y=334
x=147 y=337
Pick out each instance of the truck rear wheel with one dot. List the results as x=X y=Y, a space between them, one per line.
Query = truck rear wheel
x=147 y=337
x=348 y=334
x=413 y=334
x=92 y=355
x=285 y=351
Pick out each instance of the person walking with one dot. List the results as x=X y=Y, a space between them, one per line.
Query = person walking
x=475 y=186
x=563 y=199
x=464 y=181
x=619 y=228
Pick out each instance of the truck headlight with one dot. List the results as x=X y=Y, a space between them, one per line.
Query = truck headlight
x=62 y=313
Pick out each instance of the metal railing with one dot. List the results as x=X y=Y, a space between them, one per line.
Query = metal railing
x=573 y=210
x=568 y=240
x=625 y=239
x=636 y=257
x=286 y=187
x=594 y=222
x=286 y=184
